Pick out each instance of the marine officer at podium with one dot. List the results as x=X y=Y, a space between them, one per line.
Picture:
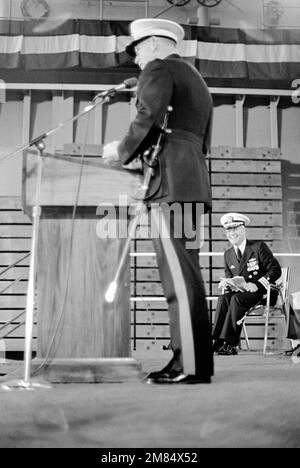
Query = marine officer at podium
x=181 y=178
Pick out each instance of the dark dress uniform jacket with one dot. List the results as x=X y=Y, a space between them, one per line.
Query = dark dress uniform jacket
x=256 y=263
x=183 y=175
x=258 y=266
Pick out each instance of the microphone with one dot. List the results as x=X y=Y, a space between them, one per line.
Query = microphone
x=127 y=84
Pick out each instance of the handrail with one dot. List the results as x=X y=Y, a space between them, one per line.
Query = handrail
x=161 y=298
x=16 y=280
x=212 y=254
x=102 y=87
x=14 y=264
x=12 y=330
x=12 y=283
x=12 y=320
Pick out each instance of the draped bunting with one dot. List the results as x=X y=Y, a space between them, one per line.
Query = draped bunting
x=100 y=45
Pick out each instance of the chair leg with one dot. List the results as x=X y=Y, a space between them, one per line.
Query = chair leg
x=266 y=331
x=267 y=323
x=246 y=336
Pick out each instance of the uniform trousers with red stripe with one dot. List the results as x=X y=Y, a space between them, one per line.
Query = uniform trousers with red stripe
x=181 y=278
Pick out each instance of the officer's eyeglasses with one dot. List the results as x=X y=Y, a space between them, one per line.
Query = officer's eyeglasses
x=140 y=45
x=233 y=229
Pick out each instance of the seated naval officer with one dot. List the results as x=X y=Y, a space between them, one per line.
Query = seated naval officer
x=252 y=260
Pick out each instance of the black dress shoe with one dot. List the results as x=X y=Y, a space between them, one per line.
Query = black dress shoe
x=155 y=374
x=164 y=371
x=173 y=377
x=291 y=351
x=217 y=345
x=168 y=368
x=227 y=350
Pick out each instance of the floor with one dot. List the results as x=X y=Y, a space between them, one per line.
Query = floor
x=252 y=402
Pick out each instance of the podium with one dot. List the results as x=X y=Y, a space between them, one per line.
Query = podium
x=80 y=337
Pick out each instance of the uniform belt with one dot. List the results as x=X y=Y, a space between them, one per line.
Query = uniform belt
x=185 y=135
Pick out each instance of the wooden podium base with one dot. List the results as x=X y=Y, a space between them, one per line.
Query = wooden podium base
x=108 y=370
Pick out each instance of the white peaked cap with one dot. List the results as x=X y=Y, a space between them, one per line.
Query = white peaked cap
x=143 y=28
x=234 y=220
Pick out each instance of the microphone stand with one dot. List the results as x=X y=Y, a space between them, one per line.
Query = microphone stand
x=27 y=383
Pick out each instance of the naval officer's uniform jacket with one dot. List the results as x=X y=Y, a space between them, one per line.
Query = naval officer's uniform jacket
x=181 y=176
x=257 y=265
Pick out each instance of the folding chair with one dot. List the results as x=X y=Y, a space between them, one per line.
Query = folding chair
x=261 y=310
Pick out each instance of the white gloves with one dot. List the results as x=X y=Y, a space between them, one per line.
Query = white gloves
x=110 y=151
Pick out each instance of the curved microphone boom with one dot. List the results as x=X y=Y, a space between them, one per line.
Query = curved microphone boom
x=127 y=84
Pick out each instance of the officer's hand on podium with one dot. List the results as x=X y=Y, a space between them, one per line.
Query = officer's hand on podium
x=110 y=152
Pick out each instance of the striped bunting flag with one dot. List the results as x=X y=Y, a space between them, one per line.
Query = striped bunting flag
x=92 y=44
